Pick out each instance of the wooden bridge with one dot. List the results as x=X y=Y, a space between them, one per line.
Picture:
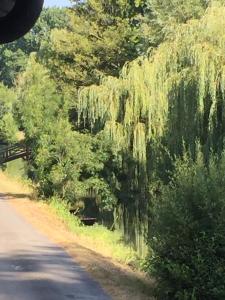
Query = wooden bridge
x=13 y=152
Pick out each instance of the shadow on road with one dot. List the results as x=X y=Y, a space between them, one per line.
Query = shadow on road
x=45 y=273
x=6 y=196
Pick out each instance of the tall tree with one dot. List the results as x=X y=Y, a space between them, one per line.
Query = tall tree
x=164 y=15
x=8 y=125
x=64 y=162
x=163 y=104
x=101 y=37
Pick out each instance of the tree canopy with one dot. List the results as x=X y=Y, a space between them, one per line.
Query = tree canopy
x=100 y=38
x=122 y=103
x=8 y=125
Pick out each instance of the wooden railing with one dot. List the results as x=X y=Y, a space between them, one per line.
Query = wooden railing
x=13 y=152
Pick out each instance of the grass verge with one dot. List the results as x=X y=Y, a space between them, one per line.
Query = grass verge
x=89 y=247
x=98 y=236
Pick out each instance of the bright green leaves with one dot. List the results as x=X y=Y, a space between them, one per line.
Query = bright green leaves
x=64 y=163
x=8 y=125
x=38 y=100
x=158 y=95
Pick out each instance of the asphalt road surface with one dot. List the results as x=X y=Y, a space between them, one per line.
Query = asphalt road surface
x=33 y=268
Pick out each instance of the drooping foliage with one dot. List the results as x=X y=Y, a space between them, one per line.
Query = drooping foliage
x=157 y=95
x=166 y=103
x=135 y=121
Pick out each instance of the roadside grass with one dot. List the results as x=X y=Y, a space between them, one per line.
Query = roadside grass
x=16 y=169
x=98 y=236
x=100 y=251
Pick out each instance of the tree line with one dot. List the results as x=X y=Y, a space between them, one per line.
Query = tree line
x=122 y=102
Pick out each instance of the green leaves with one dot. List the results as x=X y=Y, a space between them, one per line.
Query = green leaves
x=65 y=163
x=38 y=100
x=8 y=125
x=177 y=11
x=186 y=232
x=174 y=95
x=100 y=38
x=70 y=163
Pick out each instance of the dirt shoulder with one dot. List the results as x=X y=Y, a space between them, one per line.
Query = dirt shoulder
x=119 y=281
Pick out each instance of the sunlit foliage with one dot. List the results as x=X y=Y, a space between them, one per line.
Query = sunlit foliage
x=176 y=92
x=8 y=125
x=165 y=103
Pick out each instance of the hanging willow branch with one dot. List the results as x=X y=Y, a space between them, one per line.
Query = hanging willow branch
x=175 y=93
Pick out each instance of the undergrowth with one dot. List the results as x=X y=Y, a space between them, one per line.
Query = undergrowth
x=110 y=242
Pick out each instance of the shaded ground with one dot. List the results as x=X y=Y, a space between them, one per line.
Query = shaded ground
x=119 y=281
x=31 y=267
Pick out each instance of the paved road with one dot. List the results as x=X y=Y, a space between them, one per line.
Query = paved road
x=33 y=268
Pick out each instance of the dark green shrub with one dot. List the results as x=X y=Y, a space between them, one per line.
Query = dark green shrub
x=187 y=234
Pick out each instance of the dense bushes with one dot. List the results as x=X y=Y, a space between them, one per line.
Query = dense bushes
x=64 y=163
x=187 y=233
x=8 y=125
x=109 y=142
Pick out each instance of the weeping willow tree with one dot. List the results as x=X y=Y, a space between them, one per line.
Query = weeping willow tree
x=171 y=100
